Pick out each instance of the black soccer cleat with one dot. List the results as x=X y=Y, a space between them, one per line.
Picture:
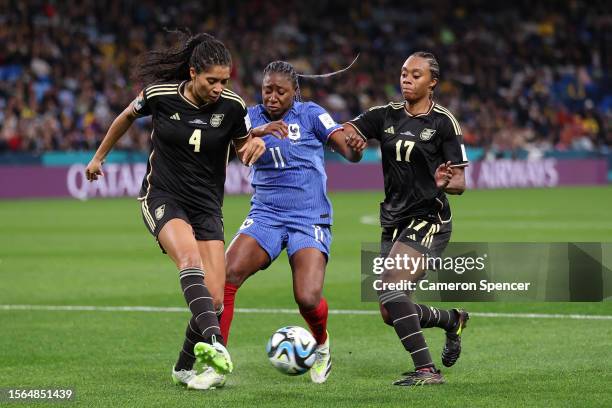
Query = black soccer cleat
x=420 y=377
x=452 y=348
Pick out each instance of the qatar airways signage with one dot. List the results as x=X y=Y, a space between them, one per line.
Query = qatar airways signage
x=125 y=179
x=535 y=173
x=119 y=180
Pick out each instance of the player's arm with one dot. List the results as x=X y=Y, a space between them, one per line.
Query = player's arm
x=454 y=155
x=450 y=178
x=249 y=149
x=117 y=129
x=348 y=143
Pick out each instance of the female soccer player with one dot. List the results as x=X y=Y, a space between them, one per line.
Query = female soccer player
x=194 y=120
x=423 y=158
x=290 y=208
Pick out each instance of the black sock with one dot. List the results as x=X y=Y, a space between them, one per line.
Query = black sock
x=200 y=303
x=407 y=326
x=186 y=358
x=430 y=316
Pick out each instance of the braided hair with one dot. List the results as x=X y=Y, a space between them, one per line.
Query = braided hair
x=285 y=68
x=200 y=51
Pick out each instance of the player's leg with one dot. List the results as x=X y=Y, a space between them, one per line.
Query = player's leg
x=213 y=258
x=403 y=313
x=177 y=239
x=255 y=246
x=308 y=249
x=430 y=316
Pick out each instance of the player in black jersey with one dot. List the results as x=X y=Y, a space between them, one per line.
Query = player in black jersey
x=423 y=158
x=195 y=119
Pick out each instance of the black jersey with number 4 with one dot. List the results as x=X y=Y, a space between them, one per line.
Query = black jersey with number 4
x=412 y=147
x=190 y=144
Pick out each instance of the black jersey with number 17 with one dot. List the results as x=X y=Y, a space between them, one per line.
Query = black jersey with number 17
x=190 y=144
x=412 y=147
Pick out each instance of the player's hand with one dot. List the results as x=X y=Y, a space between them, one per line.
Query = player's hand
x=94 y=169
x=443 y=175
x=252 y=150
x=278 y=129
x=355 y=142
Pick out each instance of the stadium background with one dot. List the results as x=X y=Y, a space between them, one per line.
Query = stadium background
x=529 y=82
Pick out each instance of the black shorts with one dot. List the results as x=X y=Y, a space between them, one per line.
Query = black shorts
x=425 y=236
x=158 y=208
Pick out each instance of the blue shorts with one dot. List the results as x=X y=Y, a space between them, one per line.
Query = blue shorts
x=274 y=233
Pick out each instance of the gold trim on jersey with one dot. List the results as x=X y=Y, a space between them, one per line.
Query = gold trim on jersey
x=162 y=89
x=441 y=208
x=144 y=205
x=431 y=107
x=441 y=109
x=358 y=130
x=230 y=95
x=153 y=94
x=229 y=146
x=185 y=98
x=394 y=105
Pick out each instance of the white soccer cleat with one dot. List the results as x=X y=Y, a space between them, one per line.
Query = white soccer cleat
x=207 y=380
x=182 y=377
x=322 y=366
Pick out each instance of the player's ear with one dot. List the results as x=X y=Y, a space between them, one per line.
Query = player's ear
x=433 y=83
x=192 y=73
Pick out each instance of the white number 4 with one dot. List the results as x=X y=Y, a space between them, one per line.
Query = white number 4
x=194 y=140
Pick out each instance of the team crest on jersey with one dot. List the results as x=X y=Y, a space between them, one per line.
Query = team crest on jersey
x=427 y=134
x=159 y=211
x=247 y=223
x=294 y=131
x=216 y=119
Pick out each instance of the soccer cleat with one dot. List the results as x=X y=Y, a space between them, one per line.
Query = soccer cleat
x=322 y=366
x=421 y=377
x=452 y=348
x=182 y=377
x=207 y=380
x=214 y=355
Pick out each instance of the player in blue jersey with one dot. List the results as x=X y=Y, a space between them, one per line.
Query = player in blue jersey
x=290 y=208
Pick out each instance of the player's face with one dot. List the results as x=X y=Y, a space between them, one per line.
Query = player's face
x=415 y=80
x=208 y=85
x=277 y=93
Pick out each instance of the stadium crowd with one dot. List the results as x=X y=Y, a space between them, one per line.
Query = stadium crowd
x=520 y=75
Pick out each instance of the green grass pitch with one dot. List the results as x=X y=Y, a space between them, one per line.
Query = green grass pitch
x=98 y=253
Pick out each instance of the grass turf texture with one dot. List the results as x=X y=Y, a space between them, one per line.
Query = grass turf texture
x=65 y=252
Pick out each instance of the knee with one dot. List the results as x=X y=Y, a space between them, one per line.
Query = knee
x=189 y=259
x=234 y=274
x=307 y=300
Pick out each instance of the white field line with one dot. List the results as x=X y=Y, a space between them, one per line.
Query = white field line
x=285 y=311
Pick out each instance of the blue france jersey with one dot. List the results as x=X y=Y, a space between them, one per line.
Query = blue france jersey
x=289 y=178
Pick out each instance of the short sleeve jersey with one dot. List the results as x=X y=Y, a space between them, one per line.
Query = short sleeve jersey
x=190 y=144
x=290 y=177
x=412 y=147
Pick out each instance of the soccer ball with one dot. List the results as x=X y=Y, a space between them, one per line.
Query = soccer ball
x=291 y=350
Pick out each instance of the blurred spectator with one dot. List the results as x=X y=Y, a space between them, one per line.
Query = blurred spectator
x=524 y=74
